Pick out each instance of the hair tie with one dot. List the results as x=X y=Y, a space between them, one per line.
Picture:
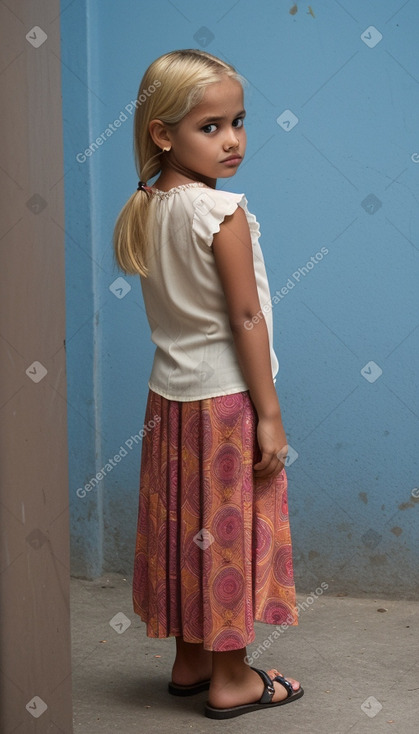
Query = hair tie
x=142 y=186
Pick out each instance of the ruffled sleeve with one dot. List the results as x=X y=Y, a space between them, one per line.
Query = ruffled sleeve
x=210 y=209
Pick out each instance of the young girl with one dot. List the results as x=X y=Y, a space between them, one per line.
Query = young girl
x=213 y=550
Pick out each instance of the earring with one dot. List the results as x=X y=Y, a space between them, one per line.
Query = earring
x=165 y=150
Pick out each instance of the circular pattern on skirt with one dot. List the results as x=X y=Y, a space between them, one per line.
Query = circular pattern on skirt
x=228 y=408
x=193 y=621
x=229 y=639
x=264 y=537
x=226 y=463
x=277 y=612
x=228 y=587
x=227 y=524
x=193 y=495
x=192 y=433
x=282 y=566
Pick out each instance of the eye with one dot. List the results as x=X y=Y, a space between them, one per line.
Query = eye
x=239 y=121
x=206 y=128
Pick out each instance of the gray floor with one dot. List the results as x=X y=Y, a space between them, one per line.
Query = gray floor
x=359 y=668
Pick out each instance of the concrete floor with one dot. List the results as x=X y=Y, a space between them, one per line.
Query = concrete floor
x=359 y=667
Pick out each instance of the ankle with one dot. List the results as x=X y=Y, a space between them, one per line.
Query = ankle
x=190 y=652
x=230 y=666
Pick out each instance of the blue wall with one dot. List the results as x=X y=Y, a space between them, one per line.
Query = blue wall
x=343 y=178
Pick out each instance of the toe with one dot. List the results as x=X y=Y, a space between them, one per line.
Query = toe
x=295 y=683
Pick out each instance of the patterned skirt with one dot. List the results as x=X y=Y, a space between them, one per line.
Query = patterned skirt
x=213 y=548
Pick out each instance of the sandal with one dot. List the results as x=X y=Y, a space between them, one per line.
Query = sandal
x=178 y=689
x=265 y=700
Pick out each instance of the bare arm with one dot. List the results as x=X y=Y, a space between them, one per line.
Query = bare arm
x=233 y=256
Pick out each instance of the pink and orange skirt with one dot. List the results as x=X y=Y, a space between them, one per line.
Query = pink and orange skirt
x=213 y=548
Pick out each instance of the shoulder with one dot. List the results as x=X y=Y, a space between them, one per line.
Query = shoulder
x=234 y=228
x=211 y=207
x=205 y=199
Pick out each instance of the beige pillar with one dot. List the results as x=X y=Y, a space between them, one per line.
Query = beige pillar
x=35 y=678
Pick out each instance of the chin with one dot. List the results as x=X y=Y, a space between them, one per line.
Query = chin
x=228 y=174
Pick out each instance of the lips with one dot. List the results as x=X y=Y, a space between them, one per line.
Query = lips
x=232 y=158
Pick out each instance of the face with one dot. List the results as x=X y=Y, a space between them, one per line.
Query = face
x=211 y=140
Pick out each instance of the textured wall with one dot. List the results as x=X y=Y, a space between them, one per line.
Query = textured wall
x=35 y=649
x=331 y=173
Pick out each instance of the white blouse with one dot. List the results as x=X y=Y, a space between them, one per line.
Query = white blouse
x=195 y=357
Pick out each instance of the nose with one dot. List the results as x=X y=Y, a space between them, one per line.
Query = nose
x=231 y=140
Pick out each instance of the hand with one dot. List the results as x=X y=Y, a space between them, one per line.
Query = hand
x=273 y=446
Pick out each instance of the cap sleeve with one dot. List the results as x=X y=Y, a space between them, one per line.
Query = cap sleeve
x=210 y=209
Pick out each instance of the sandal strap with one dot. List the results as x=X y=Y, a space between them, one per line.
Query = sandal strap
x=286 y=683
x=269 y=691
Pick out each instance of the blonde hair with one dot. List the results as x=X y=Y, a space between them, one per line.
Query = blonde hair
x=172 y=85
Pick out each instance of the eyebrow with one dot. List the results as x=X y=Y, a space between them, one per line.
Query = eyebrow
x=206 y=120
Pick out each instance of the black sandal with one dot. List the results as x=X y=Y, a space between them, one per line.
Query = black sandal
x=265 y=700
x=178 y=689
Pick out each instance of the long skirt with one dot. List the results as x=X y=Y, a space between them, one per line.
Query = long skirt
x=213 y=548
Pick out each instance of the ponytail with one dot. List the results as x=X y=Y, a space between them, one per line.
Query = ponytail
x=130 y=237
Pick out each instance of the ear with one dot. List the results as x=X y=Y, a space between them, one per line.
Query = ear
x=159 y=133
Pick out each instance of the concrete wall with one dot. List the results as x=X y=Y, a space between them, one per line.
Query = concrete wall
x=331 y=172
x=35 y=663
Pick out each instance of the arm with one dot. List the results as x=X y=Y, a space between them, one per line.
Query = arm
x=232 y=248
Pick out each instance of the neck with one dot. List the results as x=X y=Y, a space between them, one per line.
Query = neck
x=174 y=174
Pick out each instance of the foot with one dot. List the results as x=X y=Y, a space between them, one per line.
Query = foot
x=245 y=688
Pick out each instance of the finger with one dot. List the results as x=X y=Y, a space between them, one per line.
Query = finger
x=273 y=468
x=263 y=463
x=267 y=474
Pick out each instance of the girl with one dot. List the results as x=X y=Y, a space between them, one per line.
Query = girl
x=213 y=550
